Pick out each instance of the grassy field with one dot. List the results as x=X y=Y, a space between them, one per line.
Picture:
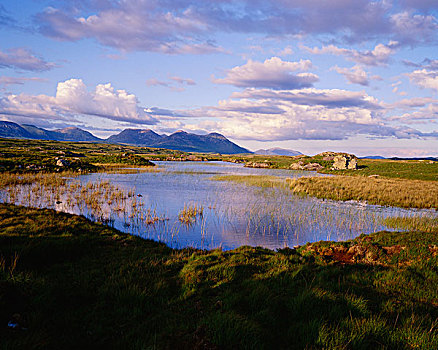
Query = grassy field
x=398 y=169
x=41 y=156
x=38 y=155
x=69 y=283
x=393 y=192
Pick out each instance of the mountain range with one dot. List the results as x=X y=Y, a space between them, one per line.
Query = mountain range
x=180 y=140
x=278 y=152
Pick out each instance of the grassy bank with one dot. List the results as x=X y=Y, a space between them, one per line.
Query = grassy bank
x=75 y=284
x=393 y=192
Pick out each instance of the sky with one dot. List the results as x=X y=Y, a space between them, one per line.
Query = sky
x=311 y=75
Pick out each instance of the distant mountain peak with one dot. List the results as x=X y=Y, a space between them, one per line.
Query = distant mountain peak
x=217 y=135
x=10 y=129
x=180 y=140
x=277 y=151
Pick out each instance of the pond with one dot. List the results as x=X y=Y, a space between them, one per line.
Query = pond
x=181 y=205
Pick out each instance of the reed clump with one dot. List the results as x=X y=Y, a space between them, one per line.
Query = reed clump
x=190 y=212
x=253 y=180
x=392 y=192
x=418 y=223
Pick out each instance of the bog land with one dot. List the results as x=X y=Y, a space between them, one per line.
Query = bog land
x=68 y=282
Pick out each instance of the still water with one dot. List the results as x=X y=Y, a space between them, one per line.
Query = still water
x=232 y=214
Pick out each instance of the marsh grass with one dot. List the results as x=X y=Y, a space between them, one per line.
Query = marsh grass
x=79 y=284
x=419 y=223
x=392 y=192
x=253 y=180
x=126 y=168
x=190 y=212
x=98 y=200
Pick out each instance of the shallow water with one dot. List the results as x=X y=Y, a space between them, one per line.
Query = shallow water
x=233 y=214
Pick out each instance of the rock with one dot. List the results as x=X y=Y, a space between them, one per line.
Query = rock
x=313 y=167
x=297 y=166
x=344 y=161
x=327 y=155
x=308 y=167
x=257 y=165
x=352 y=164
x=62 y=162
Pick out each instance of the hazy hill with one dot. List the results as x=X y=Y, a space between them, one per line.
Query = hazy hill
x=278 y=152
x=214 y=142
x=75 y=134
x=14 y=130
x=9 y=129
x=137 y=137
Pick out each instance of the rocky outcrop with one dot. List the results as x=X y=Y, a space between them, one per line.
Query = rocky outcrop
x=257 y=165
x=309 y=166
x=344 y=161
x=62 y=163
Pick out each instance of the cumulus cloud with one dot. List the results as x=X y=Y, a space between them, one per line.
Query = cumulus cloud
x=187 y=26
x=272 y=73
x=354 y=75
x=424 y=78
x=72 y=99
x=328 y=98
x=23 y=59
x=380 y=55
x=428 y=114
x=411 y=28
x=308 y=114
x=132 y=25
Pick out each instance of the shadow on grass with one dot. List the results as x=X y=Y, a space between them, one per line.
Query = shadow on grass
x=82 y=285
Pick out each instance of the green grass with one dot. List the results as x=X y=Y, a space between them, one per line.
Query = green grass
x=398 y=169
x=394 y=192
x=17 y=155
x=77 y=284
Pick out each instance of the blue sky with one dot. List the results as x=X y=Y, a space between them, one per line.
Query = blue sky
x=312 y=75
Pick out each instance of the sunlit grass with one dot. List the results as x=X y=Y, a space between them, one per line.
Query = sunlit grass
x=253 y=180
x=392 y=192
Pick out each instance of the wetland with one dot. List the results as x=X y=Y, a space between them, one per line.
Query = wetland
x=207 y=205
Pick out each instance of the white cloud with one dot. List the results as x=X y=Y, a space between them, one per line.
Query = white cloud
x=133 y=25
x=380 y=55
x=72 y=99
x=188 y=26
x=329 y=98
x=183 y=81
x=424 y=78
x=272 y=73
x=23 y=59
x=308 y=114
x=412 y=28
x=354 y=75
